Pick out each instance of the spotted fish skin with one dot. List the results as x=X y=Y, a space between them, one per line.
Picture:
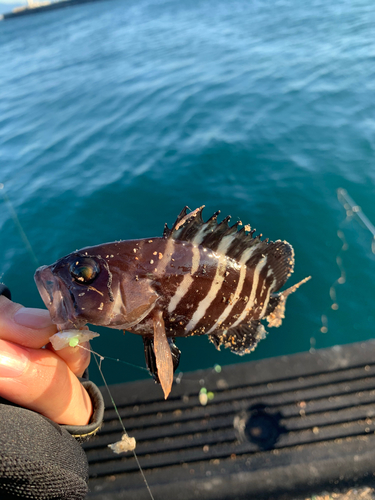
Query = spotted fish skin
x=198 y=278
x=202 y=291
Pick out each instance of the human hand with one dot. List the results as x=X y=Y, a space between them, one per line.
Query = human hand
x=41 y=380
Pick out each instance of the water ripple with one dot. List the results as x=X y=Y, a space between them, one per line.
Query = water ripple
x=113 y=115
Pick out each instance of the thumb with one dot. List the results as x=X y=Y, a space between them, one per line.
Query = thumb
x=23 y=325
x=41 y=381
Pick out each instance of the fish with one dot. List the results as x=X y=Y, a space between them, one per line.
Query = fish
x=198 y=278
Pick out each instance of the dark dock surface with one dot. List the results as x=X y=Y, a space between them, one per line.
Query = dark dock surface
x=277 y=428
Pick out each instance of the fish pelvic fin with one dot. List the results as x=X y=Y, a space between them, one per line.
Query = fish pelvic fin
x=242 y=339
x=277 y=304
x=148 y=343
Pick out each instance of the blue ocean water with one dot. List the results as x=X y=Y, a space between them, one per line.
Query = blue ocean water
x=116 y=114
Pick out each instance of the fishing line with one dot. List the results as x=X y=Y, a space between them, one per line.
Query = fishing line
x=18 y=224
x=332 y=290
x=117 y=360
x=352 y=211
x=127 y=363
x=99 y=365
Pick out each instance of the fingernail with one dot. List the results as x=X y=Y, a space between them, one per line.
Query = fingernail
x=32 y=318
x=12 y=361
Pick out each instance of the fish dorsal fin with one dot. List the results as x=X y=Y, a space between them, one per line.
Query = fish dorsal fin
x=189 y=221
x=191 y=227
x=240 y=245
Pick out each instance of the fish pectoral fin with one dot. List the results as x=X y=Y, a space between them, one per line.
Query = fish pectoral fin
x=242 y=339
x=163 y=355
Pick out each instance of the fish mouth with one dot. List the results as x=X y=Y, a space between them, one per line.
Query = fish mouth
x=56 y=297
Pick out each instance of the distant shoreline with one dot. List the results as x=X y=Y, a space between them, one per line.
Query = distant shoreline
x=25 y=11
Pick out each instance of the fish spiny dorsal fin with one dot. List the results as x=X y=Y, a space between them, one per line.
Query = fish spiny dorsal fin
x=186 y=223
x=213 y=217
x=167 y=232
x=191 y=227
x=240 y=245
x=216 y=233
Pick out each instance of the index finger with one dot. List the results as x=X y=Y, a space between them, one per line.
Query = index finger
x=25 y=326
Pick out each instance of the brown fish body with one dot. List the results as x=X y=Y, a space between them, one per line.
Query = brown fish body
x=199 y=278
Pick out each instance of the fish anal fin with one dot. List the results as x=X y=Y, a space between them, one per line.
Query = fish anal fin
x=277 y=314
x=242 y=339
x=275 y=318
x=163 y=355
x=148 y=345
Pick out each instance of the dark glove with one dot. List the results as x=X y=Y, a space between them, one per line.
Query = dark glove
x=5 y=291
x=38 y=458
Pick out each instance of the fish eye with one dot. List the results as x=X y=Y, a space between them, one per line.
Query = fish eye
x=84 y=270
